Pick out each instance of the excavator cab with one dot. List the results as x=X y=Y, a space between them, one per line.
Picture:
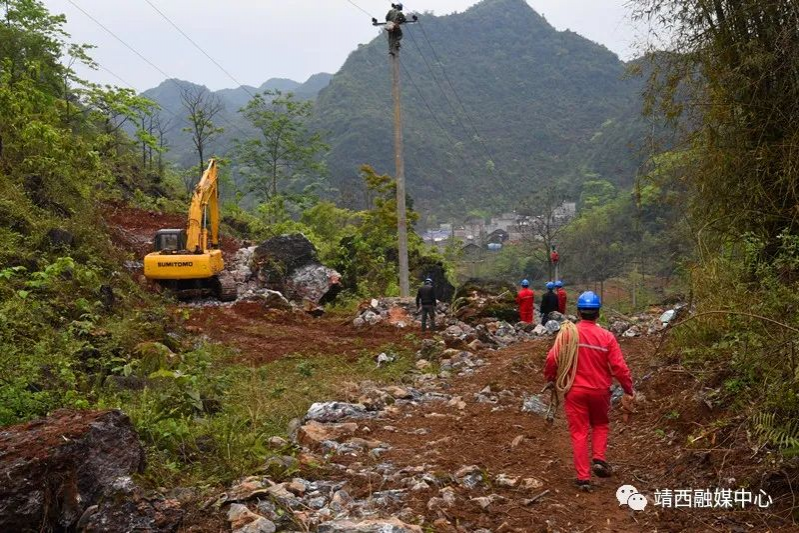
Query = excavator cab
x=169 y=240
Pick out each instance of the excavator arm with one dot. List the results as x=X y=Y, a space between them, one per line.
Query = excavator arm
x=204 y=212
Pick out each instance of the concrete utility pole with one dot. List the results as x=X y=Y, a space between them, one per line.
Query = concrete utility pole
x=399 y=160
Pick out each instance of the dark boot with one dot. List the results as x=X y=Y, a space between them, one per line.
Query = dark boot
x=601 y=468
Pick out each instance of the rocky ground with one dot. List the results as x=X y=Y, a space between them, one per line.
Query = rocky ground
x=460 y=445
x=455 y=450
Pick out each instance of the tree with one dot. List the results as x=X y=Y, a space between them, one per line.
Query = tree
x=202 y=108
x=539 y=232
x=285 y=153
x=596 y=245
x=728 y=78
x=112 y=108
x=596 y=193
x=161 y=126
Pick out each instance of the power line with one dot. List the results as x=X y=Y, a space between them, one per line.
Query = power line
x=114 y=35
x=451 y=106
x=435 y=117
x=360 y=8
x=424 y=100
x=430 y=108
x=198 y=47
x=130 y=85
x=457 y=96
x=143 y=58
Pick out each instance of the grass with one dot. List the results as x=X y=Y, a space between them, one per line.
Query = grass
x=225 y=435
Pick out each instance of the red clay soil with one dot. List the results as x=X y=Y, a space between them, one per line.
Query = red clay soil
x=133 y=229
x=650 y=452
x=263 y=335
x=38 y=438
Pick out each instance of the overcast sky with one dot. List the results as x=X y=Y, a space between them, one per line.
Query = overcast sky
x=259 y=39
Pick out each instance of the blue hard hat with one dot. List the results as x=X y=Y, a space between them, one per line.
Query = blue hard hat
x=550 y=285
x=589 y=300
x=559 y=284
x=525 y=283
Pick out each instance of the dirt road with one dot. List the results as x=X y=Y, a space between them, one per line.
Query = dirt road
x=488 y=430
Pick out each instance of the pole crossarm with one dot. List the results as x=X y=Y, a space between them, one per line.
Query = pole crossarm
x=414 y=20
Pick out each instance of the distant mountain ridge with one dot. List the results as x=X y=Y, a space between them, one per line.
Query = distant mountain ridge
x=531 y=106
x=167 y=95
x=549 y=106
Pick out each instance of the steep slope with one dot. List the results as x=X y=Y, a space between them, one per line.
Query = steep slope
x=548 y=105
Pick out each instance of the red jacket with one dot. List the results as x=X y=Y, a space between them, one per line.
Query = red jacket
x=525 y=300
x=599 y=360
x=554 y=257
x=562 y=301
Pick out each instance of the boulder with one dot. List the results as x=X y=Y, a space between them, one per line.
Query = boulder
x=619 y=327
x=632 y=332
x=313 y=283
x=279 y=256
x=444 y=290
x=552 y=326
x=534 y=404
x=55 y=468
x=504 y=480
x=335 y=411
x=540 y=330
x=289 y=264
x=274 y=300
x=128 y=509
x=469 y=476
x=242 y=520
x=315 y=433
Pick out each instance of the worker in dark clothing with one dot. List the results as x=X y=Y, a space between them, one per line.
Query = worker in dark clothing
x=549 y=302
x=426 y=300
x=395 y=19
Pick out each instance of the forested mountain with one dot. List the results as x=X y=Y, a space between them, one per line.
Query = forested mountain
x=546 y=105
x=496 y=101
x=173 y=114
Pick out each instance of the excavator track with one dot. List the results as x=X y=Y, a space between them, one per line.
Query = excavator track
x=227 y=290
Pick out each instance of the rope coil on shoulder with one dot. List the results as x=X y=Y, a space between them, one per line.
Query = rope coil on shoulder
x=567 y=346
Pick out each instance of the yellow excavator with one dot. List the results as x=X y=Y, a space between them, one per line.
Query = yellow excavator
x=183 y=261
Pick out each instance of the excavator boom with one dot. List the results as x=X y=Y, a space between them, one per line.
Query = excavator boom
x=204 y=212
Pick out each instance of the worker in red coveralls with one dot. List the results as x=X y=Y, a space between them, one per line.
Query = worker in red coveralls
x=562 y=298
x=554 y=256
x=525 y=302
x=587 y=405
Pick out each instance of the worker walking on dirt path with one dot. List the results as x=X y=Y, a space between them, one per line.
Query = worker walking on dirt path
x=562 y=297
x=582 y=369
x=426 y=301
x=549 y=302
x=525 y=299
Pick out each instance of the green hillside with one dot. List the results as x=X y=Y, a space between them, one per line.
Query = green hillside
x=547 y=105
x=531 y=105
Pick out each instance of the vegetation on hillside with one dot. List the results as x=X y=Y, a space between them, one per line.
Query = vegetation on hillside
x=730 y=85
x=77 y=331
x=497 y=103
